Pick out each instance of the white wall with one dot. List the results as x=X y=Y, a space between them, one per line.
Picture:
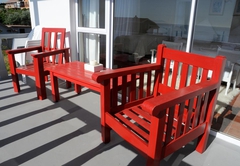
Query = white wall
x=224 y=20
x=56 y=13
x=209 y=26
x=50 y=13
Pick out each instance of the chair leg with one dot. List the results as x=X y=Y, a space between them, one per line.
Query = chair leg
x=227 y=87
x=202 y=141
x=151 y=162
x=54 y=85
x=14 y=74
x=46 y=78
x=15 y=81
x=41 y=91
x=105 y=133
x=40 y=87
x=234 y=84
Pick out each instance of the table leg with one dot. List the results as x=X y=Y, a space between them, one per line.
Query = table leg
x=54 y=85
x=78 y=88
x=68 y=84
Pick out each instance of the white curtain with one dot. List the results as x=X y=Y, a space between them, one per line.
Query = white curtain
x=90 y=11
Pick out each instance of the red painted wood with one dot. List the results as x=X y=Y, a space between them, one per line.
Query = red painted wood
x=12 y=63
x=54 y=85
x=68 y=72
x=160 y=117
x=82 y=78
x=38 y=69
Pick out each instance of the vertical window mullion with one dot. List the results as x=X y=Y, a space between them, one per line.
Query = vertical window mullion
x=109 y=32
x=191 y=25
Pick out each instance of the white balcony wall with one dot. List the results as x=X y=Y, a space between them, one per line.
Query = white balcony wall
x=50 y=13
x=55 y=13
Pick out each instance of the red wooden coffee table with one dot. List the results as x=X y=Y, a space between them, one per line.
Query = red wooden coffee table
x=74 y=72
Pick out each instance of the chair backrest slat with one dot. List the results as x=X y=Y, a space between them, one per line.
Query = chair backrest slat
x=52 y=39
x=183 y=74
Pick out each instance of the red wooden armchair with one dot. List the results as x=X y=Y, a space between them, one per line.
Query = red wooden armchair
x=161 y=111
x=50 y=52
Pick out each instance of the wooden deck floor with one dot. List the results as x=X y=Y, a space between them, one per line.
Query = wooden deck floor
x=44 y=133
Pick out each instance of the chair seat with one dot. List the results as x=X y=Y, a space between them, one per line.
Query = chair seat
x=26 y=69
x=231 y=71
x=227 y=72
x=29 y=69
x=138 y=121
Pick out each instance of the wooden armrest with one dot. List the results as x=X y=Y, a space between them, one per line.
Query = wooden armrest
x=49 y=53
x=157 y=104
x=108 y=74
x=23 y=50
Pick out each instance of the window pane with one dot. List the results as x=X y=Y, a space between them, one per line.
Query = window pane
x=217 y=26
x=92 y=47
x=217 y=32
x=140 y=25
x=91 y=13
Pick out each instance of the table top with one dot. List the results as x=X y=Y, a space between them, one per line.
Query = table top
x=73 y=70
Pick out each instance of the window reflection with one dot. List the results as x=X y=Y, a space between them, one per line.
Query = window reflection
x=217 y=32
x=140 y=25
x=216 y=29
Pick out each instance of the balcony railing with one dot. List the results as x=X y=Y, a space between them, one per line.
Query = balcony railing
x=3 y=70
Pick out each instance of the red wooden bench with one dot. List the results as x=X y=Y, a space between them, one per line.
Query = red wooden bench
x=51 y=52
x=161 y=111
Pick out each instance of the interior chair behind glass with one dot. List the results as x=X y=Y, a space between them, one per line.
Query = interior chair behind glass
x=169 y=44
x=231 y=73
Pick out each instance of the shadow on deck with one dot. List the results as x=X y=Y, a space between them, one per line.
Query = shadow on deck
x=67 y=133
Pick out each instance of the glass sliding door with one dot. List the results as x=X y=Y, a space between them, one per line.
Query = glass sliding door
x=140 y=25
x=131 y=38
x=121 y=33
